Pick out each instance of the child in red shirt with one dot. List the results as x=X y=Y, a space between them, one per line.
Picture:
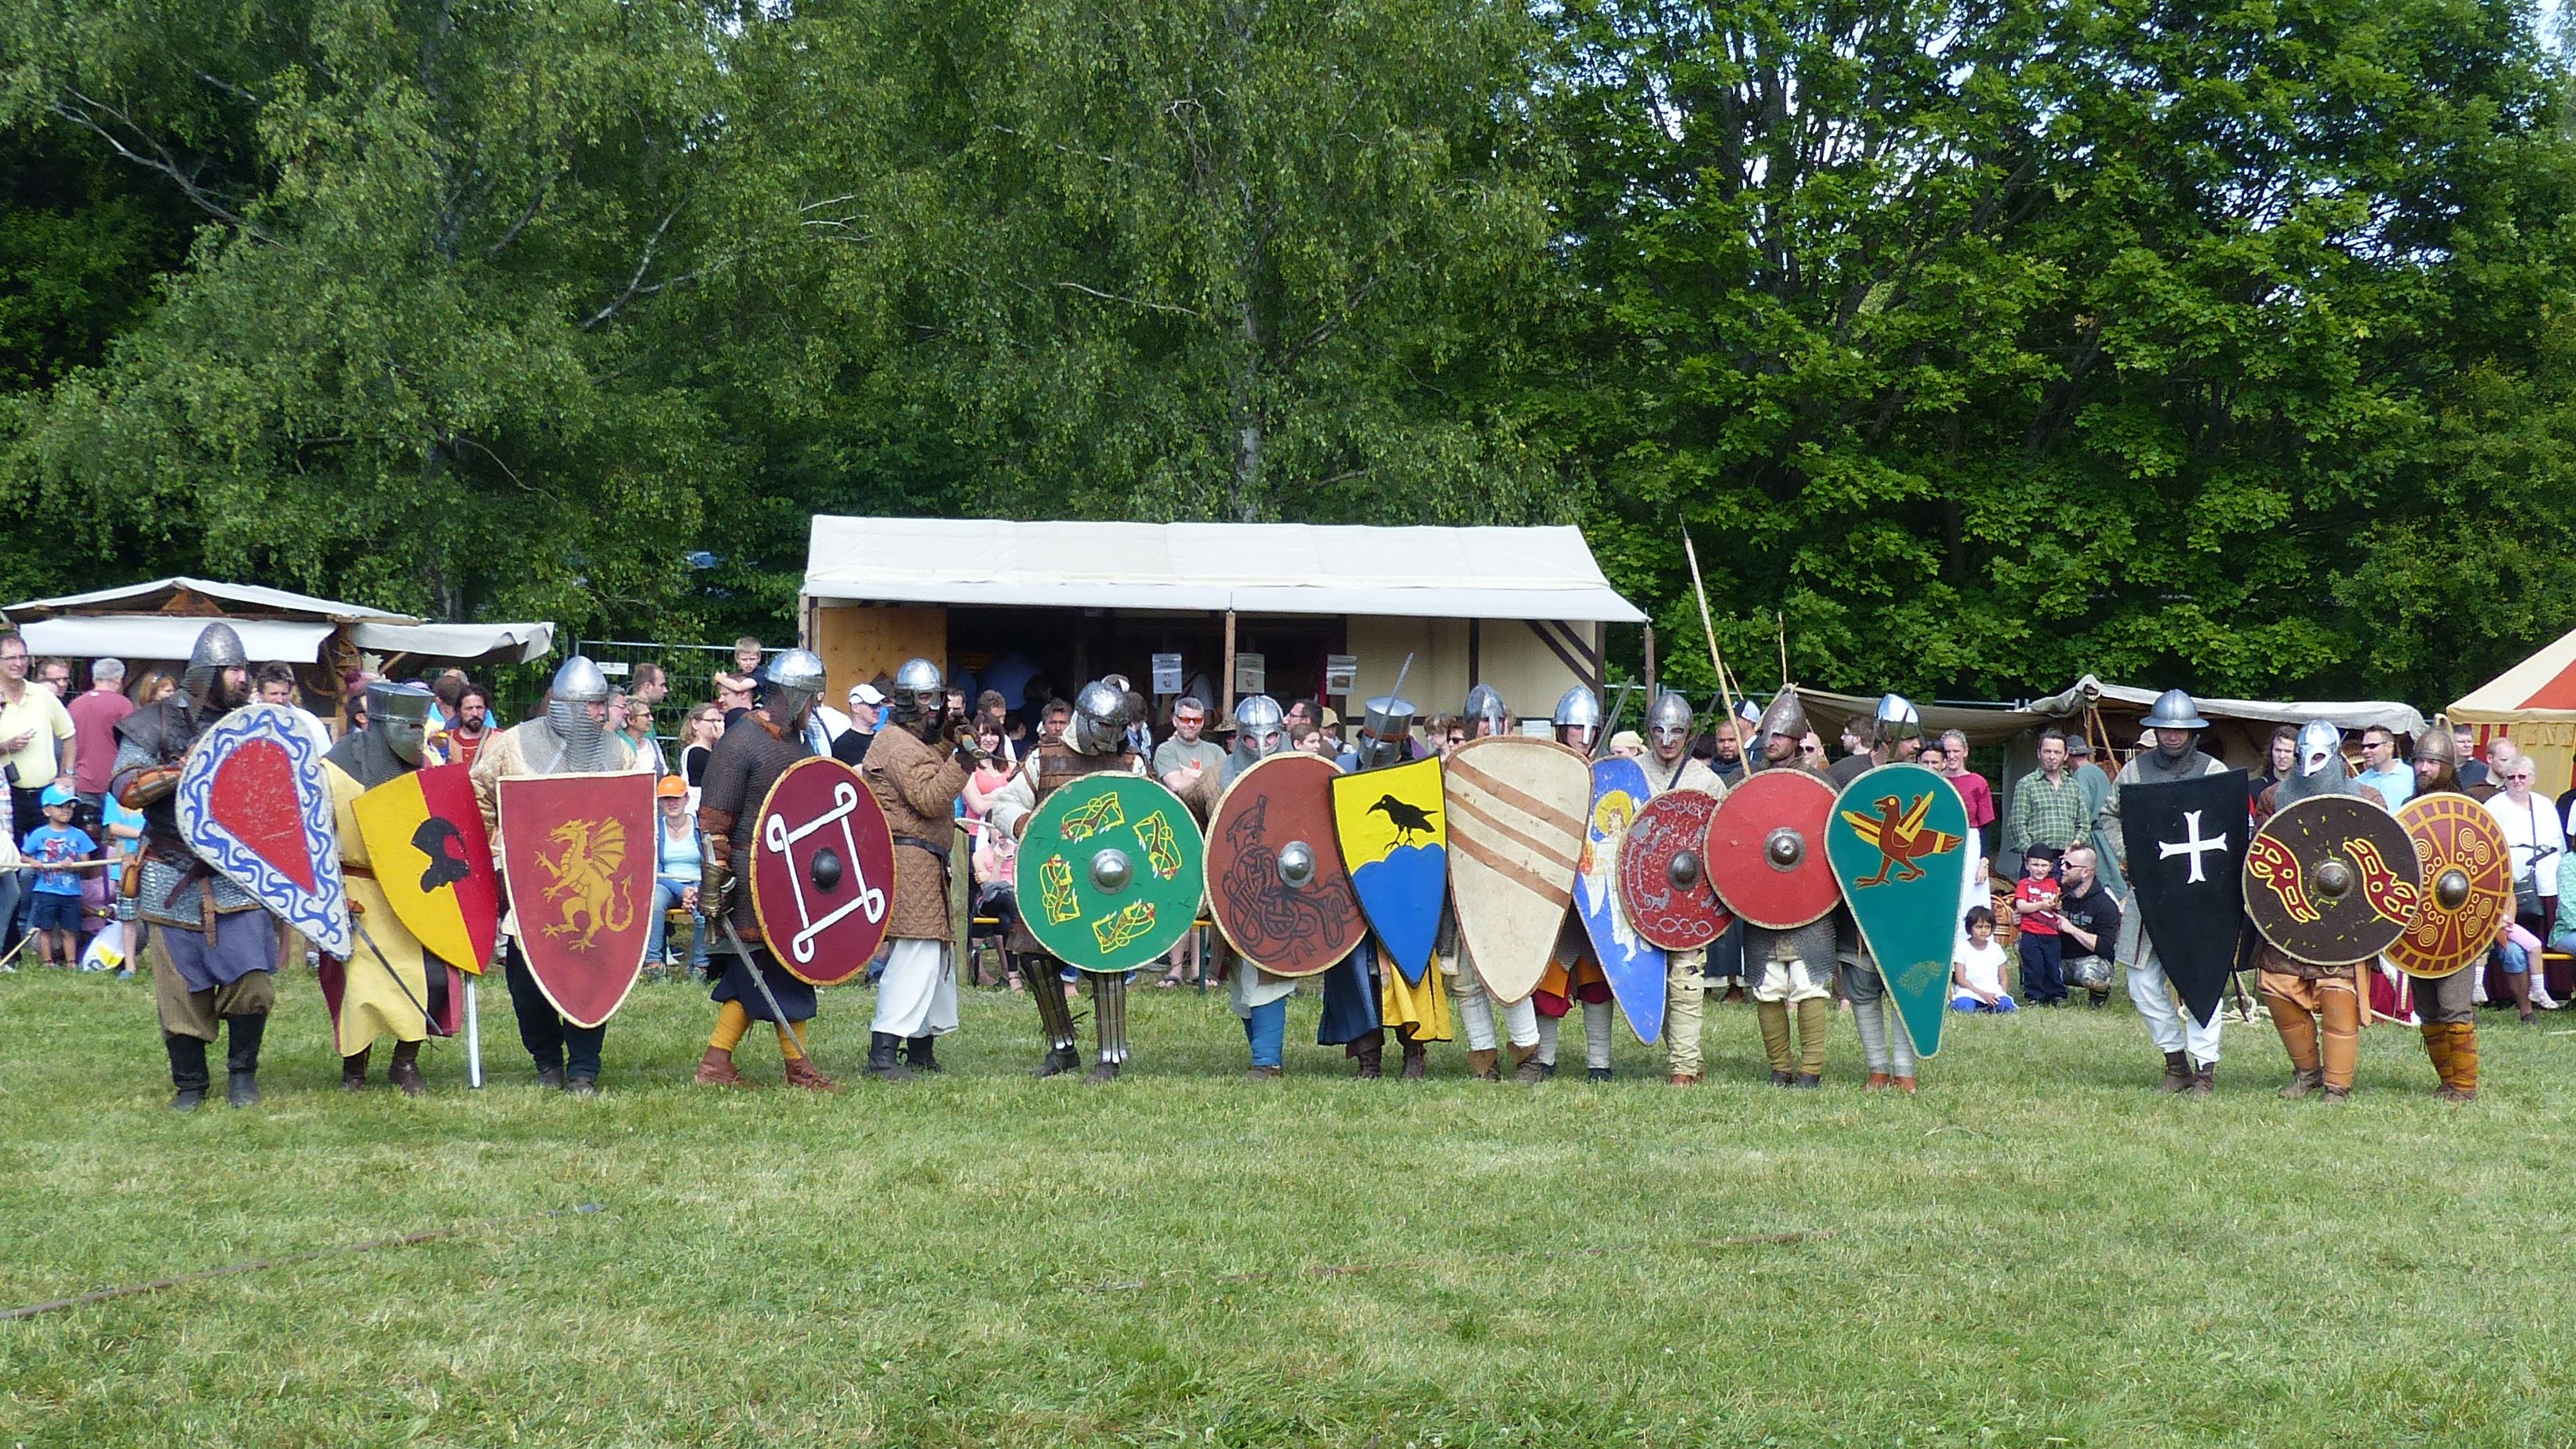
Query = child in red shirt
x=2043 y=969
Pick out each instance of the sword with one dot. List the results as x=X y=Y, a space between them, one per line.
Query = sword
x=360 y=923
x=777 y=1013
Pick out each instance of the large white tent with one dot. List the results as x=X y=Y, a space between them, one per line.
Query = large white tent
x=2534 y=703
x=160 y=621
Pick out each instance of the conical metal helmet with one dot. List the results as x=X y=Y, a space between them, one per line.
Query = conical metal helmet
x=920 y=694
x=2434 y=744
x=790 y=682
x=1099 y=718
x=580 y=680
x=1898 y=720
x=578 y=684
x=1485 y=708
x=1785 y=718
x=1668 y=720
x=217 y=649
x=2176 y=710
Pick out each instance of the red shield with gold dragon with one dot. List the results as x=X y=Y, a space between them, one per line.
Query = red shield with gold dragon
x=577 y=855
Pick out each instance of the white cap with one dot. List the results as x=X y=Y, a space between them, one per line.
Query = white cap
x=865 y=694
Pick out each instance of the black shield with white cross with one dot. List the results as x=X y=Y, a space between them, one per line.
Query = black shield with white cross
x=2186 y=841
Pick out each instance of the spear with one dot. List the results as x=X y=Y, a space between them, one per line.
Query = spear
x=1699 y=588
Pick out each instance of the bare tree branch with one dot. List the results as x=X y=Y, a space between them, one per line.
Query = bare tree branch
x=84 y=111
x=1133 y=301
x=635 y=284
x=536 y=200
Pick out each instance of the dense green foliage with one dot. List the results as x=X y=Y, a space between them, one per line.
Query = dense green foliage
x=2038 y=1250
x=1977 y=342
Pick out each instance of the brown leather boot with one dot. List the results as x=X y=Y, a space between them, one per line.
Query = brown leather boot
x=800 y=1073
x=404 y=1071
x=353 y=1071
x=1531 y=1069
x=2204 y=1081
x=1481 y=1066
x=715 y=1069
x=2177 y=1073
x=1370 y=1052
x=2302 y=1083
x=1417 y=1062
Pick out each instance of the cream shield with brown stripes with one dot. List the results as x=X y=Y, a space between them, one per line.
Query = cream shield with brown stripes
x=1516 y=808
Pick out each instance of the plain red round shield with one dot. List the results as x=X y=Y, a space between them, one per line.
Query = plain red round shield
x=1766 y=849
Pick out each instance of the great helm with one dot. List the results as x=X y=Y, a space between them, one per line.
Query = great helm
x=1099 y=718
x=400 y=714
x=1485 y=707
x=1385 y=732
x=791 y=680
x=2175 y=710
x=1668 y=720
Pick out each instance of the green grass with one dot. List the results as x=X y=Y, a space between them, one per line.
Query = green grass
x=2038 y=1250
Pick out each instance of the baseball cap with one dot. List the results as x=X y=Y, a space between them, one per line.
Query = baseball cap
x=865 y=694
x=57 y=793
x=672 y=788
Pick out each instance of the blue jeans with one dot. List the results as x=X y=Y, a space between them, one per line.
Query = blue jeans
x=1266 y=1031
x=666 y=895
x=2002 y=1004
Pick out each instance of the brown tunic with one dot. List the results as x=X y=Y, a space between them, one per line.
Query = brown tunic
x=740 y=770
x=918 y=785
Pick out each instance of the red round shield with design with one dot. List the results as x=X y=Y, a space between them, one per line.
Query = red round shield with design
x=1663 y=877
x=822 y=871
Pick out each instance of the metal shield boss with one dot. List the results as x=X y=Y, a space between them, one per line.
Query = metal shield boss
x=2186 y=841
x=1663 y=873
x=2330 y=880
x=1516 y=821
x=1899 y=846
x=1276 y=885
x=577 y=853
x=433 y=861
x=1633 y=964
x=1394 y=831
x=252 y=803
x=2464 y=885
x=1110 y=871
x=821 y=871
x=1766 y=849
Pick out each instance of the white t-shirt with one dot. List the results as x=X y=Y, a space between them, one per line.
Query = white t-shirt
x=1981 y=968
x=2531 y=829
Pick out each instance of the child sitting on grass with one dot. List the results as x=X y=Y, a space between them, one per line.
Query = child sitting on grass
x=54 y=913
x=1977 y=973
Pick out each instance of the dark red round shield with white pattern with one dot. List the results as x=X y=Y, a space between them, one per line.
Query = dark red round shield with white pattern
x=821 y=871
x=1663 y=873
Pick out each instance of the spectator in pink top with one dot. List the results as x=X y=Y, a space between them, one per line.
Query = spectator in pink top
x=1973 y=790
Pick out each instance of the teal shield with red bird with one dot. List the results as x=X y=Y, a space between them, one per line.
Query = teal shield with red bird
x=1898 y=841
x=1634 y=964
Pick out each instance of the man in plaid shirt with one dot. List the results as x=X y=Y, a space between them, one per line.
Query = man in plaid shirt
x=2048 y=805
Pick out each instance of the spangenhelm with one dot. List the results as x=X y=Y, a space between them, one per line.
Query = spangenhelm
x=789 y=684
x=1485 y=710
x=1898 y=720
x=1668 y=722
x=1785 y=718
x=1099 y=718
x=2176 y=710
x=218 y=648
x=577 y=685
x=1260 y=729
x=920 y=697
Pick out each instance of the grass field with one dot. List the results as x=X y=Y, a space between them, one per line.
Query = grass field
x=2037 y=1250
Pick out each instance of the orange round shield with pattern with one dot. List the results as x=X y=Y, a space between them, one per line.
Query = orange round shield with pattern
x=2465 y=893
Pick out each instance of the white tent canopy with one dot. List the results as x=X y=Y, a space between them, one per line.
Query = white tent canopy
x=2347 y=714
x=274 y=624
x=1265 y=568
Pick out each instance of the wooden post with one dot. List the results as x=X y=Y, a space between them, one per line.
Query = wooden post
x=1650 y=666
x=1227 y=709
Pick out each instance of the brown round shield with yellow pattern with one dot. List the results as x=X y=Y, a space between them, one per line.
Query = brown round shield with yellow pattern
x=2330 y=880
x=2464 y=891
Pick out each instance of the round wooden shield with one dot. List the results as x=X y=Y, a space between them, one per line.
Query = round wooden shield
x=1766 y=849
x=1663 y=875
x=2330 y=880
x=1109 y=872
x=2465 y=890
x=1276 y=885
x=822 y=871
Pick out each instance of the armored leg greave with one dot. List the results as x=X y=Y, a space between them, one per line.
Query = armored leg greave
x=1109 y=1014
x=1055 y=1014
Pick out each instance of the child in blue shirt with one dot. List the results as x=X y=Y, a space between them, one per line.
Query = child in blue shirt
x=55 y=910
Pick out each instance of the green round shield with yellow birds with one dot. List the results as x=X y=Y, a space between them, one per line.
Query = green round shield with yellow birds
x=1109 y=872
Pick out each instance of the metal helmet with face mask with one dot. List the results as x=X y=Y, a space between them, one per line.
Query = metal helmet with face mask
x=2319 y=769
x=218 y=648
x=1099 y=719
x=920 y=699
x=1784 y=719
x=1385 y=734
x=1668 y=724
x=400 y=712
x=1260 y=731
x=1485 y=712
x=789 y=685
x=1898 y=721
x=577 y=685
x=1579 y=710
